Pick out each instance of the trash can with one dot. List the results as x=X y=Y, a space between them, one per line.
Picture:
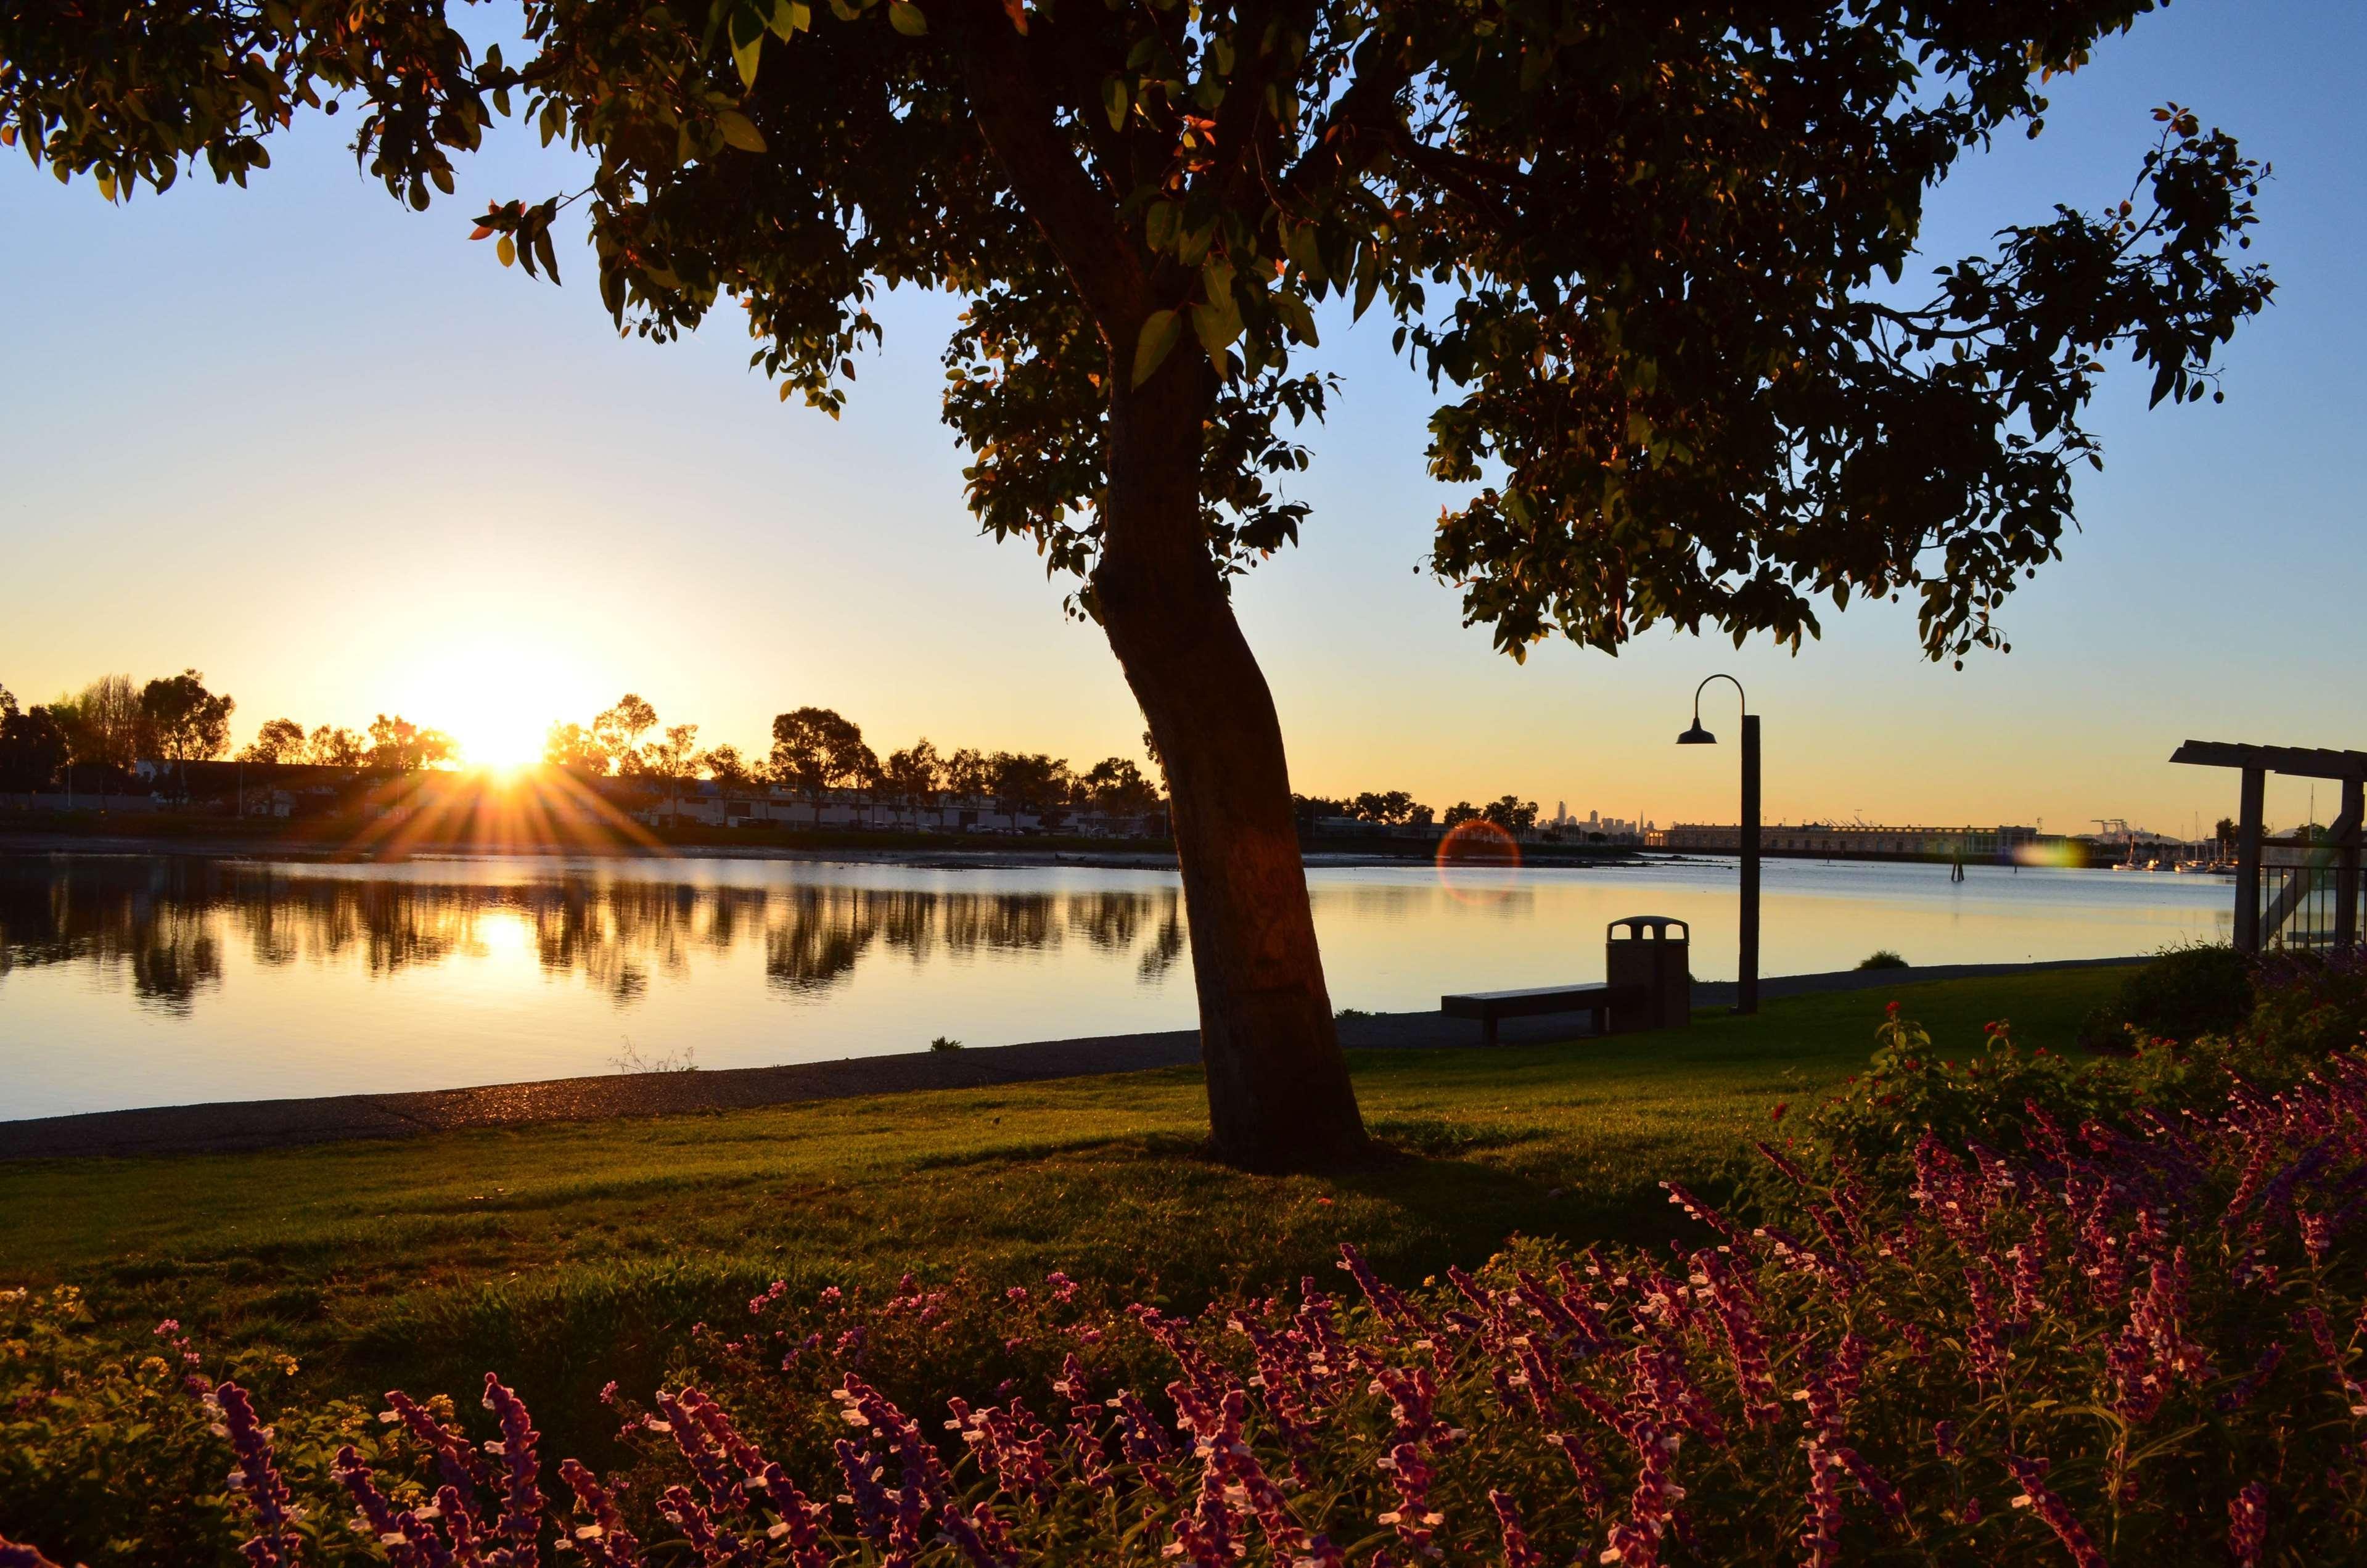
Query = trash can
x=1650 y=968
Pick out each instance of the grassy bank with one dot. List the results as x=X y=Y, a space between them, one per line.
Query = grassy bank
x=558 y=1251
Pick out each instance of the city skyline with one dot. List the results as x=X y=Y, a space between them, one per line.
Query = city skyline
x=530 y=552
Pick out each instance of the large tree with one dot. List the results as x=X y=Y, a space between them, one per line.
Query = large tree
x=276 y=741
x=32 y=747
x=819 y=749
x=184 y=722
x=1649 y=253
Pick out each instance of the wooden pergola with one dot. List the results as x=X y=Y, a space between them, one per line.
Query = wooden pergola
x=2255 y=763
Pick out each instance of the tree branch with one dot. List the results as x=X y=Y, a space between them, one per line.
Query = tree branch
x=1020 y=119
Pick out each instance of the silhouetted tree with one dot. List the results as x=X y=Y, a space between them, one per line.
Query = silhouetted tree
x=1029 y=781
x=184 y=722
x=968 y=776
x=333 y=745
x=1511 y=814
x=32 y=747
x=276 y=740
x=726 y=766
x=619 y=731
x=1116 y=786
x=398 y=745
x=1649 y=254
x=816 y=749
x=912 y=776
x=576 y=749
x=1392 y=807
x=1459 y=814
x=672 y=759
x=103 y=724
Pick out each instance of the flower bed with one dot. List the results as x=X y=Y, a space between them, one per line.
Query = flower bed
x=2133 y=1338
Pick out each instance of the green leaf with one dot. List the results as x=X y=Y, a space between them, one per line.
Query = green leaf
x=1300 y=246
x=740 y=130
x=748 y=26
x=1161 y=330
x=1216 y=324
x=790 y=18
x=1160 y=224
x=1368 y=280
x=1114 y=99
x=1217 y=280
x=906 y=18
x=1295 y=316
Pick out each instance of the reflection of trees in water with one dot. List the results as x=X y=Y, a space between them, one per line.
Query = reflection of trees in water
x=1165 y=947
x=166 y=922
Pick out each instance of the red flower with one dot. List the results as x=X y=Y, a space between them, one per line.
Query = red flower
x=1777 y=1114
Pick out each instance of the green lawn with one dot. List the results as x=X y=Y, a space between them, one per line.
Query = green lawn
x=568 y=1254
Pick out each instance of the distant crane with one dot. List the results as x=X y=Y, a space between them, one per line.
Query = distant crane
x=2128 y=839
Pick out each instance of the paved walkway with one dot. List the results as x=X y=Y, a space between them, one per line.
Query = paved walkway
x=268 y=1124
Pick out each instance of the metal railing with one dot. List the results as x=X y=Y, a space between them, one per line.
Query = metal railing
x=2302 y=898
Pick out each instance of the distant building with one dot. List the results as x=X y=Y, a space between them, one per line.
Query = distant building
x=1856 y=838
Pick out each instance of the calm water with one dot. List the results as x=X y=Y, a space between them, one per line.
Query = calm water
x=137 y=979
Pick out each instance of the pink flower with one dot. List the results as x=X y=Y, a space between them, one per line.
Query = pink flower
x=2248 y=1525
x=2030 y=1474
x=1518 y=1553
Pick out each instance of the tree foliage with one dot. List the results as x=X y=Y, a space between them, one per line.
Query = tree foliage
x=103 y=724
x=1115 y=785
x=33 y=747
x=333 y=745
x=182 y=722
x=398 y=745
x=276 y=740
x=815 y=749
x=1651 y=257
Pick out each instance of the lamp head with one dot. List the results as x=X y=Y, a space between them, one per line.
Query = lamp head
x=1697 y=736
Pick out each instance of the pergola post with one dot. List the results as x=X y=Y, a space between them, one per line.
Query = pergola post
x=2248 y=861
x=2346 y=863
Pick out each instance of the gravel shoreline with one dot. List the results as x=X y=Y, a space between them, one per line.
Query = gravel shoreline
x=287 y=1123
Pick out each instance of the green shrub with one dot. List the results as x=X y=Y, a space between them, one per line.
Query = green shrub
x=109 y=1457
x=2310 y=1003
x=1995 y=1091
x=2204 y=989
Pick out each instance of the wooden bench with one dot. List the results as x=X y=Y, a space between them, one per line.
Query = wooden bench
x=1488 y=1006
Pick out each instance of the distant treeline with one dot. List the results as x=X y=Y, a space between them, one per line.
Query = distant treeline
x=816 y=750
x=1395 y=808
x=113 y=723
x=108 y=727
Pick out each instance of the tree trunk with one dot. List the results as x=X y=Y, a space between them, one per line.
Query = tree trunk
x=1279 y=1098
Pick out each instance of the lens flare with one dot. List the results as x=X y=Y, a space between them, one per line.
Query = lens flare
x=1479 y=862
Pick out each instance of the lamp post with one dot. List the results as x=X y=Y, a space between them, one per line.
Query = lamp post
x=1747 y=978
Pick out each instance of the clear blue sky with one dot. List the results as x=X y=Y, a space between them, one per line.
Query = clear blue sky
x=329 y=453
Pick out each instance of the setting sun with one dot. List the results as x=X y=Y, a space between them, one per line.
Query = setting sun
x=492 y=702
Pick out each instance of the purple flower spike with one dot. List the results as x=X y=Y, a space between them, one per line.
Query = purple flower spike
x=2248 y=1525
x=1518 y=1553
x=2030 y=1474
x=258 y=1479
x=521 y=1519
